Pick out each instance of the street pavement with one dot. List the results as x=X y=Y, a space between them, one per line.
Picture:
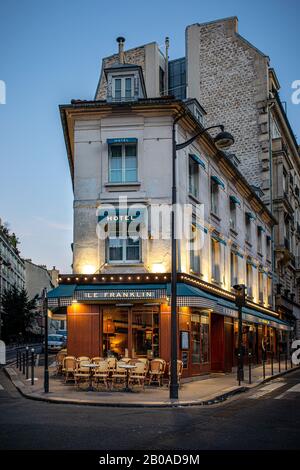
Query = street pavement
x=267 y=417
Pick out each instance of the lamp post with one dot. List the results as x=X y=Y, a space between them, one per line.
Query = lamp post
x=46 y=366
x=222 y=141
x=240 y=302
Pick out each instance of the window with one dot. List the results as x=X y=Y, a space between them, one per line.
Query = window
x=234 y=268
x=177 y=78
x=200 y=338
x=269 y=288
x=122 y=88
x=249 y=272
x=232 y=219
x=123 y=248
x=214 y=191
x=260 y=286
x=161 y=81
x=215 y=260
x=268 y=247
x=259 y=240
x=193 y=178
x=145 y=332
x=195 y=260
x=248 y=228
x=122 y=163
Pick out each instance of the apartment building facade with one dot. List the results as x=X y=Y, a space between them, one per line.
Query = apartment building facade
x=224 y=71
x=118 y=298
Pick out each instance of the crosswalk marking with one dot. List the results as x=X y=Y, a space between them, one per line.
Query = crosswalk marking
x=267 y=389
x=295 y=388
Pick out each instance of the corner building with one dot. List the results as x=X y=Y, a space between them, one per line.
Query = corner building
x=117 y=301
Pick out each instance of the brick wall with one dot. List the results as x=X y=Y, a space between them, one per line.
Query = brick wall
x=232 y=86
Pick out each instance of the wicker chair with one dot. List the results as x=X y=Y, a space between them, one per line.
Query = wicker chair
x=69 y=367
x=157 y=370
x=126 y=359
x=101 y=374
x=59 y=361
x=82 y=373
x=179 y=371
x=138 y=375
x=97 y=359
x=111 y=361
x=119 y=374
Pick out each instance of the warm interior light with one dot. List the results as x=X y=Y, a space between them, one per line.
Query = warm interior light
x=88 y=269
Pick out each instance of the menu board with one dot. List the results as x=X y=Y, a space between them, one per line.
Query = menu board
x=185 y=359
x=184 y=340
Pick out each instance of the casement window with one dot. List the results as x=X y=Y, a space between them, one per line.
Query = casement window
x=123 y=88
x=249 y=278
x=123 y=250
x=259 y=240
x=122 y=163
x=269 y=289
x=260 y=286
x=214 y=193
x=232 y=217
x=234 y=268
x=193 y=177
x=248 y=227
x=215 y=260
x=195 y=259
x=268 y=247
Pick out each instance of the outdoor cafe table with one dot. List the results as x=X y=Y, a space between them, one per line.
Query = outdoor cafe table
x=128 y=368
x=91 y=366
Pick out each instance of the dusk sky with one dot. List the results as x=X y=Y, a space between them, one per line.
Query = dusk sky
x=51 y=51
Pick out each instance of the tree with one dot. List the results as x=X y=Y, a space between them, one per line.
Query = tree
x=18 y=313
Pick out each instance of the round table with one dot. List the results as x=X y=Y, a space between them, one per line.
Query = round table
x=91 y=366
x=128 y=368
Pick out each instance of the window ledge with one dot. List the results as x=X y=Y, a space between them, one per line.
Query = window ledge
x=125 y=263
x=215 y=216
x=195 y=198
x=125 y=183
x=233 y=231
x=116 y=187
x=248 y=243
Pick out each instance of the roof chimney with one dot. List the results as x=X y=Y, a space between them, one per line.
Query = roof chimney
x=121 y=41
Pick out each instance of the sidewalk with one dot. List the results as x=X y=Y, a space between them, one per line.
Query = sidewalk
x=203 y=390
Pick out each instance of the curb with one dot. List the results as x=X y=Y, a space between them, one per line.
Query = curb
x=176 y=404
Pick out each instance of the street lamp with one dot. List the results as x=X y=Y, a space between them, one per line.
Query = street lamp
x=240 y=302
x=223 y=141
x=46 y=366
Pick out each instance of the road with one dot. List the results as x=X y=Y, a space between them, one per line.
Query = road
x=266 y=418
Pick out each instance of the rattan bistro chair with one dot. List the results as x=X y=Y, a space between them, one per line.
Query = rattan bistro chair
x=111 y=361
x=119 y=374
x=69 y=367
x=138 y=374
x=82 y=373
x=59 y=361
x=157 y=370
x=101 y=374
x=97 y=359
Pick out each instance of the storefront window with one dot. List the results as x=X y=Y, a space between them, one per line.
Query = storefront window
x=200 y=338
x=145 y=334
x=115 y=333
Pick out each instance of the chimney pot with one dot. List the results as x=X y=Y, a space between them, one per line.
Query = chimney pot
x=121 y=41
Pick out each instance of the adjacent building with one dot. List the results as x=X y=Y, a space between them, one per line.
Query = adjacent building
x=117 y=300
x=12 y=267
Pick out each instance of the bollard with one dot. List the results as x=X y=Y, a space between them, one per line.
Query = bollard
x=250 y=360
x=20 y=360
x=286 y=361
x=264 y=369
x=23 y=363
x=272 y=363
x=279 y=365
x=32 y=366
x=291 y=362
x=27 y=362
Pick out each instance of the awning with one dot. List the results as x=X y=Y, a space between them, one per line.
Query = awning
x=234 y=199
x=197 y=160
x=64 y=295
x=187 y=295
x=217 y=180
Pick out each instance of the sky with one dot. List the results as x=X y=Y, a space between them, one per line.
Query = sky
x=51 y=51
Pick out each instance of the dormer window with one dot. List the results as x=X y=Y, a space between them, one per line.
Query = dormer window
x=123 y=88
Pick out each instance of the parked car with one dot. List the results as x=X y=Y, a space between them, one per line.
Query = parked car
x=62 y=332
x=55 y=342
